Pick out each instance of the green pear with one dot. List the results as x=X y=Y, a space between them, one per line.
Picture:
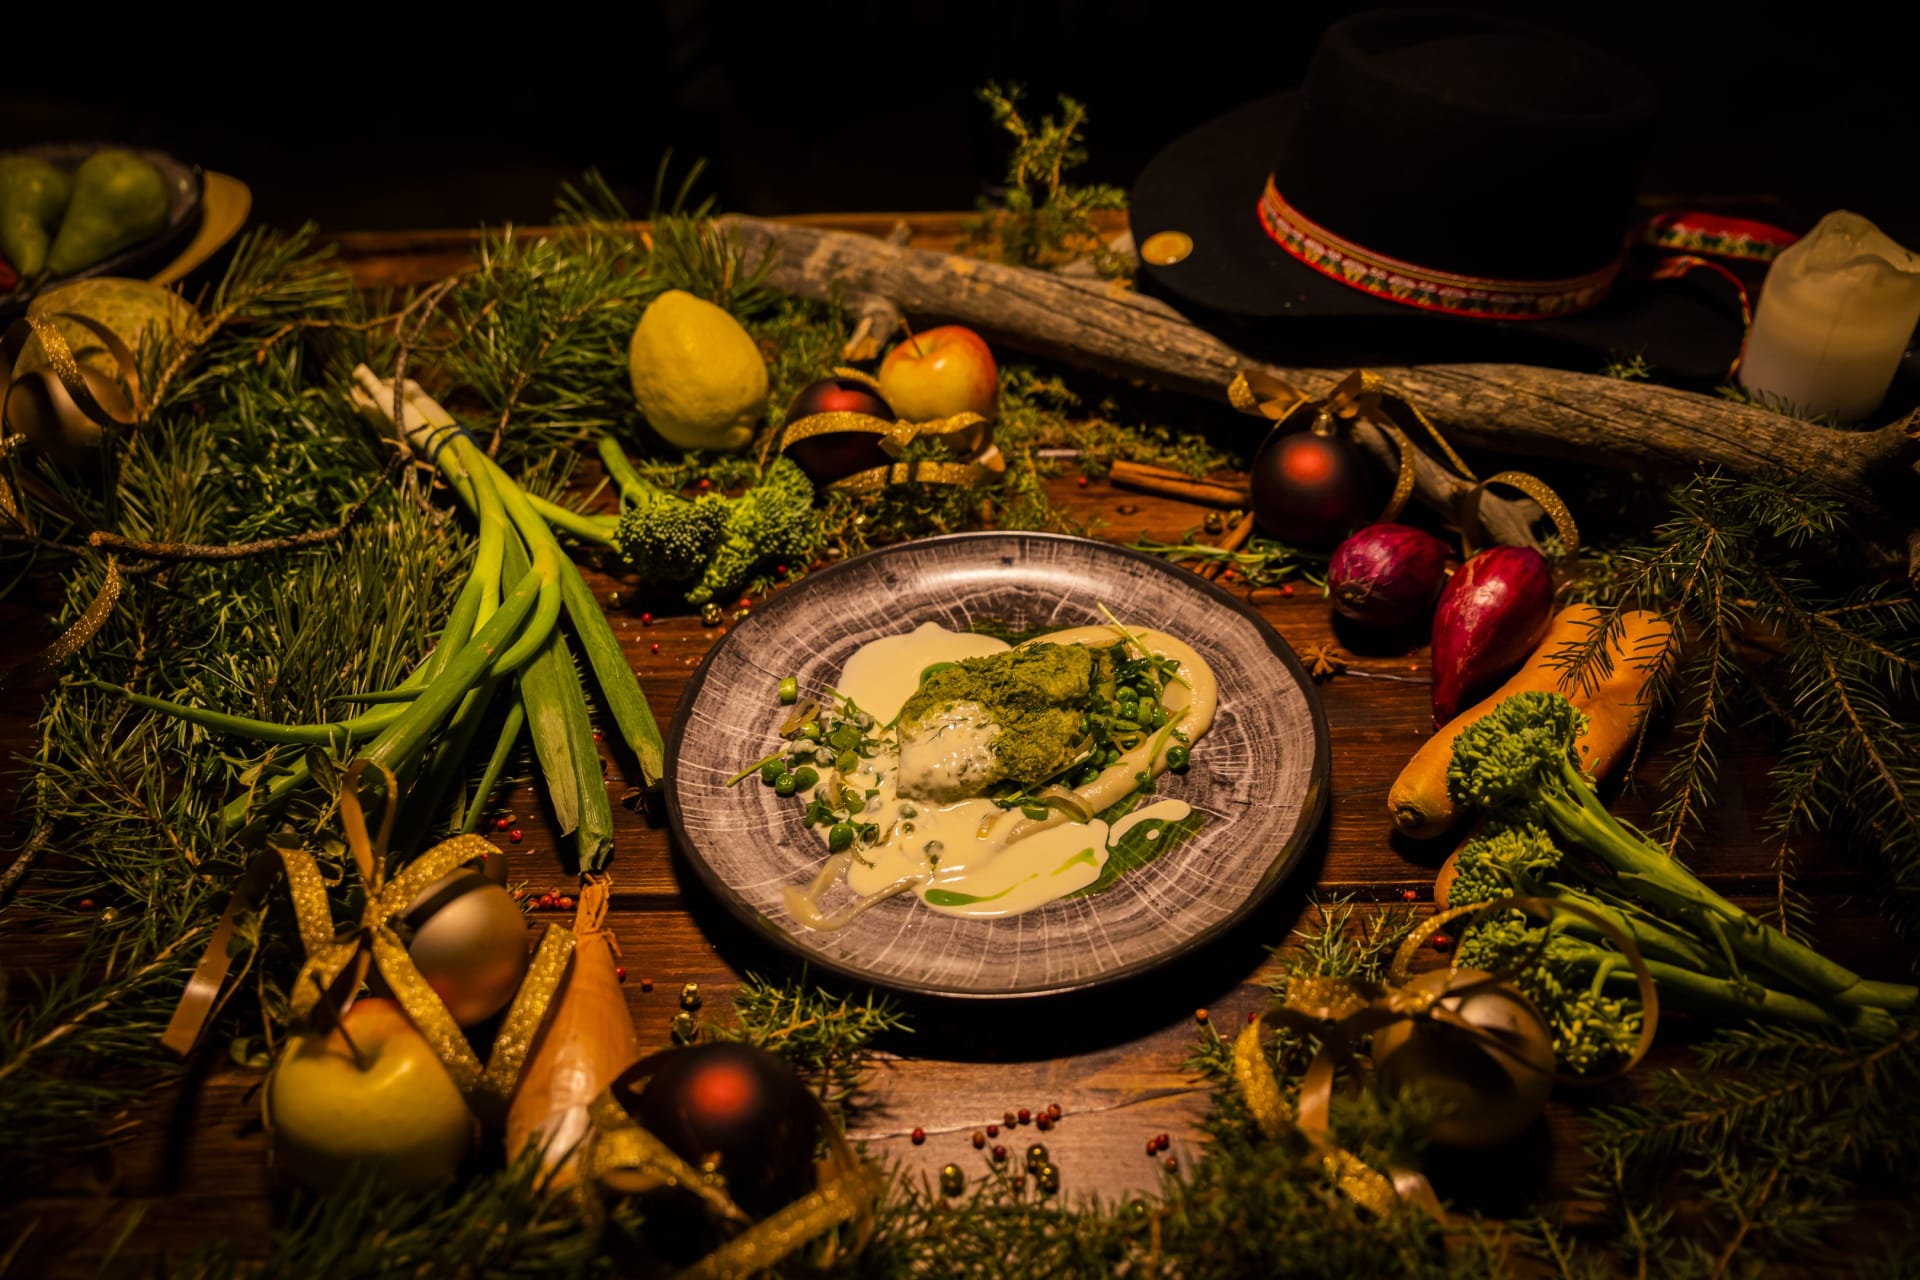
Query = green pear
x=33 y=195
x=118 y=200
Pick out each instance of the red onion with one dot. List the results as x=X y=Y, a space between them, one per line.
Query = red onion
x=1492 y=614
x=1386 y=574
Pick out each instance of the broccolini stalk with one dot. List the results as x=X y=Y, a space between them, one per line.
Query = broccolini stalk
x=1519 y=764
x=1582 y=985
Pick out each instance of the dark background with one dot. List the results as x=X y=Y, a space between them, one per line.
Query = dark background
x=373 y=118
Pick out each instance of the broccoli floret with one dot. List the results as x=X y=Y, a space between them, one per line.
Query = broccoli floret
x=715 y=543
x=772 y=521
x=668 y=538
x=1504 y=860
x=1591 y=1030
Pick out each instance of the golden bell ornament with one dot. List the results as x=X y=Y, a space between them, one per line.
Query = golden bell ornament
x=469 y=941
x=1485 y=1057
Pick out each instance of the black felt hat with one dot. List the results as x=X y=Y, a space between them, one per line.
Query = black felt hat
x=1444 y=185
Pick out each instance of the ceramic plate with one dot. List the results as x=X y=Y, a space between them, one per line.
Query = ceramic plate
x=1259 y=776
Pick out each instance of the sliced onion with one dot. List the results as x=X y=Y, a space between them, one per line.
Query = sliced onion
x=1066 y=801
x=805 y=711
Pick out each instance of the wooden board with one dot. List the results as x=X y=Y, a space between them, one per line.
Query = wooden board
x=192 y=1160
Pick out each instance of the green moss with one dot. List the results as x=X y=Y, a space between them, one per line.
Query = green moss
x=1036 y=695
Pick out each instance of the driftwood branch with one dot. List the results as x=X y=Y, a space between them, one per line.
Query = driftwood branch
x=1514 y=408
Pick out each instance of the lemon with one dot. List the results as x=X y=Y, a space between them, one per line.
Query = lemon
x=697 y=375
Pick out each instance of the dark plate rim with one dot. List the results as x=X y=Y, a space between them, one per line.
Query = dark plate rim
x=1278 y=870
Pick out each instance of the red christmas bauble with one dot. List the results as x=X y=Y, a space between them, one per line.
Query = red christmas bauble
x=1312 y=489
x=835 y=455
x=838 y=395
x=738 y=1107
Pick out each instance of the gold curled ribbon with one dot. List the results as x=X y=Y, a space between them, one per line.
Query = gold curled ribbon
x=79 y=390
x=622 y=1158
x=1365 y=396
x=1340 y=1011
x=968 y=437
x=337 y=960
x=964 y=434
x=76 y=636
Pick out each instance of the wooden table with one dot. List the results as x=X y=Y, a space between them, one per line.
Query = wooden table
x=192 y=1162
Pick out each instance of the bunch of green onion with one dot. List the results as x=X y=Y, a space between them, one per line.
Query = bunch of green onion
x=502 y=644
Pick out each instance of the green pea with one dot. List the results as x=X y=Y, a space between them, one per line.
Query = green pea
x=908 y=811
x=1158 y=720
x=846 y=762
x=789 y=691
x=840 y=837
x=1148 y=703
x=805 y=778
x=1178 y=758
x=1086 y=776
x=786 y=784
x=811 y=731
x=771 y=771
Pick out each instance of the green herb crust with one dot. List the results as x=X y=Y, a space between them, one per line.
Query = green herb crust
x=1038 y=697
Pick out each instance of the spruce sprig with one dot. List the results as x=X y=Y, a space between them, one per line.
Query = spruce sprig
x=1043 y=220
x=827 y=1038
x=1776 y=1133
x=1776 y=619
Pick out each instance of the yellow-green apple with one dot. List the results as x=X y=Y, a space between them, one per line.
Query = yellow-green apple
x=939 y=373
x=375 y=1095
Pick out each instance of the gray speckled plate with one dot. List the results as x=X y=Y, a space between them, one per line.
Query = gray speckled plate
x=1260 y=774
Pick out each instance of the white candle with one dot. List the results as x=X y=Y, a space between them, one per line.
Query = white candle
x=1835 y=315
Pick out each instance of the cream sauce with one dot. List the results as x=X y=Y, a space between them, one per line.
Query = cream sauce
x=968 y=857
x=882 y=674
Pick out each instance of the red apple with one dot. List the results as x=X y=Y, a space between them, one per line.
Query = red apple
x=939 y=373
x=374 y=1096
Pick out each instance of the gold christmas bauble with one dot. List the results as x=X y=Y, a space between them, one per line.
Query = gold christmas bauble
x=469 y=943
x=135 y=311
x=1492 y=1081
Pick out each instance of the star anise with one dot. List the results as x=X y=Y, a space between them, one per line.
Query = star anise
x=1324 y=661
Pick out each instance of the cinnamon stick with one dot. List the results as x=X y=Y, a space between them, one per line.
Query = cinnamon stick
x=1172 y=484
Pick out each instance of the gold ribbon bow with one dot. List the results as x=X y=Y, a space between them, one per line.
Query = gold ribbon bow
x=621 y=1158
x=966 y=436
x=1365 y=396
x=1342 y=1010
x=337 y=962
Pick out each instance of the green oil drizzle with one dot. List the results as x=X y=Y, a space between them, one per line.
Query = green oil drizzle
x=1088 y=856
x=949 y=898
